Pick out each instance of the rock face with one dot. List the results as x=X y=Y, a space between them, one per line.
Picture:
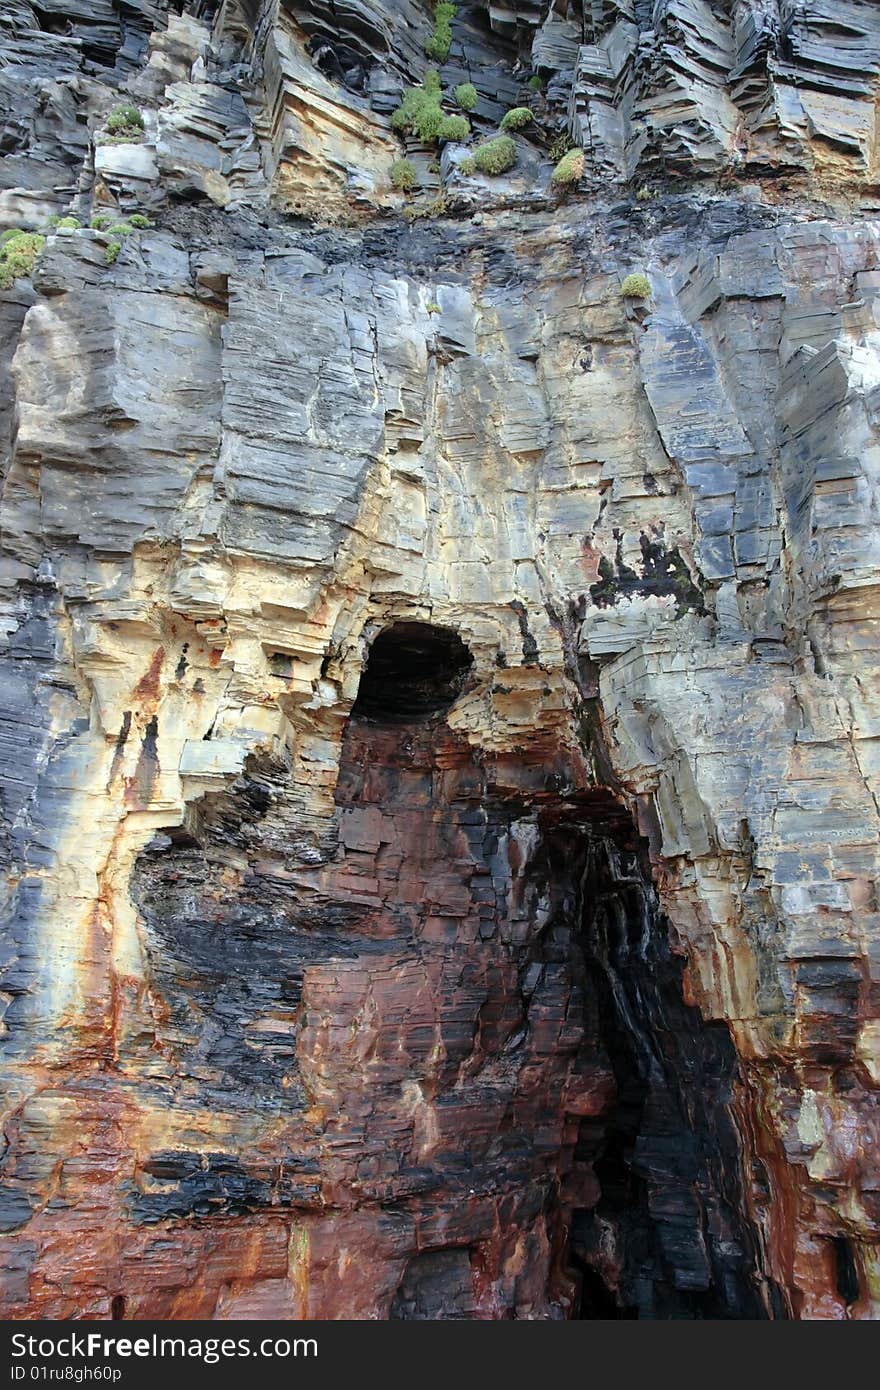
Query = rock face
x=439 y=712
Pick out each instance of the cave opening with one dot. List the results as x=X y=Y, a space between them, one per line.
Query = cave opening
x=668 y=1237
x=551 y=1128
x=663 y=1234
x=414 y=671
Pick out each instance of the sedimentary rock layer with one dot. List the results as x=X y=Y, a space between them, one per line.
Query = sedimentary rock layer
x=439 y=729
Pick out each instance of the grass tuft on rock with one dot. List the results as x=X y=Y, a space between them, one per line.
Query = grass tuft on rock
x=454 y=128
x=569 y=170
x=535 y=83
x=492 y=157
x=403 y=175
x=466 y=95
x=124 y=125
x=419 y=112
x=440 y=42
x=517 y=118
x=636 y=286
x=18 y=255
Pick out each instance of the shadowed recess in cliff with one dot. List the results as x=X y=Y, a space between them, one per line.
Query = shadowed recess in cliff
x=668 y=1237
x=480 y=995
x=413 y=671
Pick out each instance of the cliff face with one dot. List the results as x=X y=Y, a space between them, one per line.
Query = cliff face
x=440 y=735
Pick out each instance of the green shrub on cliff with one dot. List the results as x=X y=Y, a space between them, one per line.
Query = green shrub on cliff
x=466 y=96
x=636 y=286
x=403 y=175
x=454 y=128
x=419 y=112
x=18 y=254
x=492 y=157
x=535 y=83
x=569 y=169
x=118 y=231
x=440 y=42
x=124 y=126
x=124 y=118
x=517 y=118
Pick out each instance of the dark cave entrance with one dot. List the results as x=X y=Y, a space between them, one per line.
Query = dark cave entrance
x=667 y=1237
x=414 y=670
x=503 y=927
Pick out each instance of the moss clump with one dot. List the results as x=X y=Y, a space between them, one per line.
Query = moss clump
x=454 y=128
x=517 y=118
x=64 y=224
x=492 y=157
x=433 y=307
x=123 y=119
x=466 y=96
x=118 y=231
x=18 y=254
x=569 y=169
x=403 y=175
x=440 y=42
x=124 y=126
x=535 y=84
x=419 y=112
x=636 y=286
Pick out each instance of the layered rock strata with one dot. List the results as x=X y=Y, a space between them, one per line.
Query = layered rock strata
x=439 y=696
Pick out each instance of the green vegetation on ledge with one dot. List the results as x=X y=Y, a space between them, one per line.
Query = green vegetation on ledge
x=492 y=157
x=124 y=125
x=419 y=112
x=517 y=118
x=440 y=42
x=466 y=96
x=403 y=175
x=569 y=169
x=18 y=253
x=454 y=128
x=636 y=286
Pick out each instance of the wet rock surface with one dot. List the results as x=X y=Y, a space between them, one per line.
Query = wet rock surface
x=438 y=701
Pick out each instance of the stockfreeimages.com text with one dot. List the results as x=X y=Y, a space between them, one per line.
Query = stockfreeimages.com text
x=207 y=1349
